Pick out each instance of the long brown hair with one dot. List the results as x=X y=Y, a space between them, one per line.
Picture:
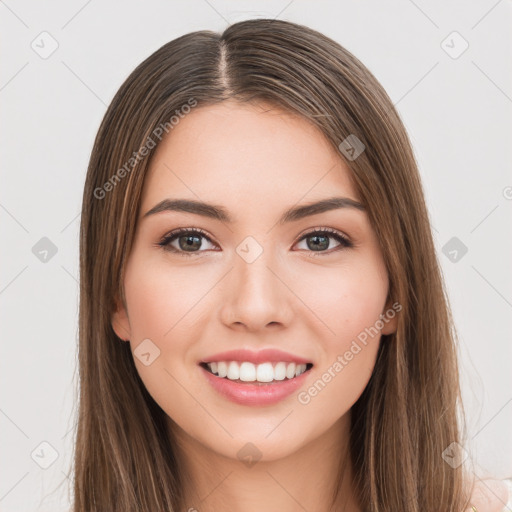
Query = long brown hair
x=409 y=413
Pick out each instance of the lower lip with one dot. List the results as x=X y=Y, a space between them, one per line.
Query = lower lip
x=255 y=394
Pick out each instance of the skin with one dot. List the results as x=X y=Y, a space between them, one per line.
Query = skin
x=489 y=495
x=255 y=162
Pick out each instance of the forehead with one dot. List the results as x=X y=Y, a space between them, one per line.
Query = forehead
x=248 y=153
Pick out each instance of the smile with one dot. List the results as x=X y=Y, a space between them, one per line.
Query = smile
x=262 y=373
x=265 y=383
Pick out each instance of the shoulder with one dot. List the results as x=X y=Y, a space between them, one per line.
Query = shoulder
x=508 y=506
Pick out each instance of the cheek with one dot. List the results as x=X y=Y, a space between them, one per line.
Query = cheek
x=351 y=308
x=162 y=300
x=163 y=307
x=337 y=386
x=349 y=305
x=347 y=300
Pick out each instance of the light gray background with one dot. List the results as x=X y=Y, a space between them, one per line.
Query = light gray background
x=457 y=112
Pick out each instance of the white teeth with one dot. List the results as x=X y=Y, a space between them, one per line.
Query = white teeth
x=233 y=371
x=280 y=371
x=249 y=372
x=222 y=368
x=265 y=372
x=301 y=368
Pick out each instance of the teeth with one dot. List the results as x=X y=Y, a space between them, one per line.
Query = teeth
x=280 y=371
x=233 y=371
x=265 y=372
x=222 y=368
x=249 y=372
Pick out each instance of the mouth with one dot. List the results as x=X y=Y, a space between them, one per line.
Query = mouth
x=245 y=372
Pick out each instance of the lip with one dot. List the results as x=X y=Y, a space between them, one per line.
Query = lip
x=268 y=355
x=245 y=393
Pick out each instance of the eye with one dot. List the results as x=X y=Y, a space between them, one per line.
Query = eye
x=319 y=239
x=188 y=241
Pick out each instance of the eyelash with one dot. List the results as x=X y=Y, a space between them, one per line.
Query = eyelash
x=164 y=243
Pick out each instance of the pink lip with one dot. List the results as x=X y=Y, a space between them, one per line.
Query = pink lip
x=246 y=393
x=268 y=355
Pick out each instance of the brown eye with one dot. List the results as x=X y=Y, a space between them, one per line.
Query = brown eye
x=318 y=241
x=188 y=241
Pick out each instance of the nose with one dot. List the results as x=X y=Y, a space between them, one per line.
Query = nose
x=256 y=295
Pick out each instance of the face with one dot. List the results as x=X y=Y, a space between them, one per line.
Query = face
x=242 y=277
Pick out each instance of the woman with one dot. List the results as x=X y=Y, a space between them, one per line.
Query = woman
x=263 y=323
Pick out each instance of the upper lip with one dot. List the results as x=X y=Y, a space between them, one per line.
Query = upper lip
x=261 y=356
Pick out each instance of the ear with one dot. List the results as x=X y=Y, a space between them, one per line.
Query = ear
x=120 y=322
x=390 y=317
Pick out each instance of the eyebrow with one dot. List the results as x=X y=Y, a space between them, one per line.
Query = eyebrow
x=220 y=213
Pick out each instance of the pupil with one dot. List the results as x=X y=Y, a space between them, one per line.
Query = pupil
x=314 y=246
x=189 y=241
